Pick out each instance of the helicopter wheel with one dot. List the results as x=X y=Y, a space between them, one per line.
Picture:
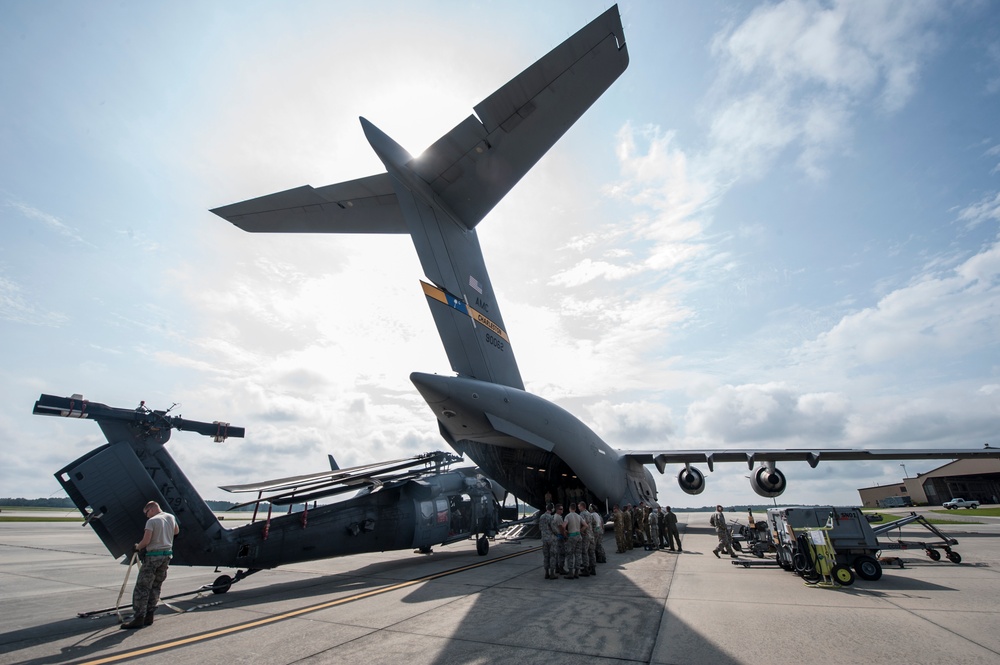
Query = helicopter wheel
x=222 y=584
x=482 y=545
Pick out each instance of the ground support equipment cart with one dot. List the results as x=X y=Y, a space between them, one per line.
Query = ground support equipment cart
x=930 y=548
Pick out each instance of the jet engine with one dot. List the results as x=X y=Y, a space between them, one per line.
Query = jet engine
x=768 y=481
x=691 y=480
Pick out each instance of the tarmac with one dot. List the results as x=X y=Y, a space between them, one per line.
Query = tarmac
x=454 y=606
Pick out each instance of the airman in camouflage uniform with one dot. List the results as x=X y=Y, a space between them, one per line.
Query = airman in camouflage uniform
x=587 y=536
x=157 y=540
x=637 y=515
x=662 y=517
x=629 y=534
x=548 y=541
x=673 y=535
x=574 y=540
x=718 y=520
x=618 y=518
x=589 y=553
x=558 y=530
x=647 y=510
x=598 y=521
x=654 y=528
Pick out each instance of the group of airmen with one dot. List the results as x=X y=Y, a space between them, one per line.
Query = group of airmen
x=572 y=545
x=643 y=525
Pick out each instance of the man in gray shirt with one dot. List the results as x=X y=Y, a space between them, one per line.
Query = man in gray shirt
x=158 y=541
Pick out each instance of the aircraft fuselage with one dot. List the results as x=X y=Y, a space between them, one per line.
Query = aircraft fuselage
x=530 y=445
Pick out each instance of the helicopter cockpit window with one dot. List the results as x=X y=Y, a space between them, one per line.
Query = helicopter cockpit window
x=427 y=513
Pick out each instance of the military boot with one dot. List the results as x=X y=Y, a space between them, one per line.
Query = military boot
x=138 y=621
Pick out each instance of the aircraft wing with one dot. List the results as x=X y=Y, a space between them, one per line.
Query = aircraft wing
x=812 y=456
x=365 y=205
x=474 y=165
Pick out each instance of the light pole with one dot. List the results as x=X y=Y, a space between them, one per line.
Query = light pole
x=905 y=475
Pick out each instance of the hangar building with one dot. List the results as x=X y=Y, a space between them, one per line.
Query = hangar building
x=966 y=478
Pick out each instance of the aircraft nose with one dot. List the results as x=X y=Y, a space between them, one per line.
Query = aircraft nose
x=432 y=387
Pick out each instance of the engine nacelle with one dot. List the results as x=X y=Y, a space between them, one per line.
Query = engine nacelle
x=768 y=482
x=691 y=480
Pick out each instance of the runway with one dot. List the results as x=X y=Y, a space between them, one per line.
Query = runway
x=456 y=607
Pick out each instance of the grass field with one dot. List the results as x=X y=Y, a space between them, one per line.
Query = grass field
x=975 y=512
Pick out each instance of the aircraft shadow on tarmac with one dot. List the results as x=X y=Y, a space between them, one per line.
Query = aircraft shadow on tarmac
x=510 y=616
x=608 y=618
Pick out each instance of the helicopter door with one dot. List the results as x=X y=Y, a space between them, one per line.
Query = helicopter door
x=433 y=519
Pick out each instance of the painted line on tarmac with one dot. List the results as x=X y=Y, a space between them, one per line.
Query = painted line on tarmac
x=145 y=651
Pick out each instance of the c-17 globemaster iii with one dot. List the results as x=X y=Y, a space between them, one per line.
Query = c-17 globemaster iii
x=531 y=446
x=528 y=445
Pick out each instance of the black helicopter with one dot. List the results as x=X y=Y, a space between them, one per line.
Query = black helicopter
x=410 y=503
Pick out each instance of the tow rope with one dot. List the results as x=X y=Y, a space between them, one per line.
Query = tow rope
x=135 y=558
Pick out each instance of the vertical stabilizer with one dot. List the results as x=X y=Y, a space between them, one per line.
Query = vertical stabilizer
x=111 y=484
x=440 y=197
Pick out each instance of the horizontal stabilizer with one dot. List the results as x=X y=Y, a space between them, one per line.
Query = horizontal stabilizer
x=475 y=164
x=365 y=205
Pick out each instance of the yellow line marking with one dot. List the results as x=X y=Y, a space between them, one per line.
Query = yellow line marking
x=294 y=613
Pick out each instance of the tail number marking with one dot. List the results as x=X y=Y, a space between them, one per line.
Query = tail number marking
x=490 y=339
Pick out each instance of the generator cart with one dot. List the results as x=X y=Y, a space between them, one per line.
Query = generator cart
x=850 y=535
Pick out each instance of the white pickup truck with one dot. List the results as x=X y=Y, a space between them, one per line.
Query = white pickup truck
x=957 y=503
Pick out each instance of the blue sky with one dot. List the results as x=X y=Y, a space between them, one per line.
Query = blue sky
x=778 y=228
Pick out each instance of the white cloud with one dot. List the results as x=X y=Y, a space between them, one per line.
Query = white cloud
x=51 y=222
x=953 y=312
x=796 y=72
x=770 y=413
x=588 y=270
x=641 y=422
x=15 y=308
x=987 y=209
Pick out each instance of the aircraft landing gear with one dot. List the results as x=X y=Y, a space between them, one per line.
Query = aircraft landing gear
x=482 y=545
x=223 y=583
